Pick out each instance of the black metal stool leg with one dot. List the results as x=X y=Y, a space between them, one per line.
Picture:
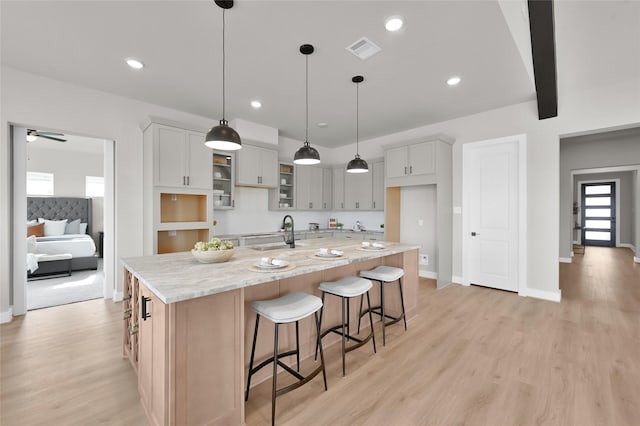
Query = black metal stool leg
x=373 y=335
x=324 y=372
x=297 y=346
x=315 y=357
x=360 y=312
x=404 y=316
x=275 y=376
x=384 y=337
x=253 y=353
x=347 y=319
x=343 y=335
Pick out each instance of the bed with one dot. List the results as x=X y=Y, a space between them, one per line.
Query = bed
x=79 y=245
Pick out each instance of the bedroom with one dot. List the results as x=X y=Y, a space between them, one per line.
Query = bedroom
x=65 y=186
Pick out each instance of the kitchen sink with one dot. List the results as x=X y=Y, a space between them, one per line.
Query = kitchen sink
x=273 y=246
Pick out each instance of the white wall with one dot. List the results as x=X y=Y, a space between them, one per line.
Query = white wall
x=97 y=114
x=69 y=169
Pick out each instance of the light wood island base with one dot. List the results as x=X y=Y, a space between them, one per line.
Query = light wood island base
x=191 y=356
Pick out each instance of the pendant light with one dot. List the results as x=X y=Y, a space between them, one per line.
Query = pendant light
x=357 y=165
x=307 y=154
x=223 y=137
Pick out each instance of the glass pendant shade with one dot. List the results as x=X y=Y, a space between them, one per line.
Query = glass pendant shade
x=306 y=155
x=357 y=165
x=223 y=137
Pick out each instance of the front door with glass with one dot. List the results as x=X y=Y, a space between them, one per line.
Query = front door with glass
x=599 y=214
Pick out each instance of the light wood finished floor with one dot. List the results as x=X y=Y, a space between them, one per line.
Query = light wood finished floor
x=472 y=356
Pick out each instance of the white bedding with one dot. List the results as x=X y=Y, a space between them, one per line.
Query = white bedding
x=78 y=245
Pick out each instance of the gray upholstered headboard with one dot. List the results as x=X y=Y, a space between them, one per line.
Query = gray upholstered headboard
x=57 y=208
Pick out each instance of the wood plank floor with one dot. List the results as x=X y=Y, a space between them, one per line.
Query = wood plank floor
x=472 y=356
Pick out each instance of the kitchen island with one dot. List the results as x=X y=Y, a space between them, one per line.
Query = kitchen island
x=188 y=326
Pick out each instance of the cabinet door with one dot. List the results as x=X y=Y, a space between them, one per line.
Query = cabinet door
x=302 y=185
x=152 y=359
x=377 y=170
x=269 y=168
x=223 y=179
x=170 y=155
x=199 y=172
x=422 y=158
x=327 y=189
x=249 y=167
x=396 y=162
x=315 y=188
x=338 y=189
x=358 y=191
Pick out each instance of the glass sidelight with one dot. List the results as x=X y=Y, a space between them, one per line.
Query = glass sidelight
x=599 y=214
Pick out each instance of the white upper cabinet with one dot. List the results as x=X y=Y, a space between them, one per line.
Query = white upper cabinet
x=309 y=184
x=338 y=189
x=180 y=158
x=377 y=174
x=410 y=160
x=358 y=191
x=327 y=189
x=257 y=167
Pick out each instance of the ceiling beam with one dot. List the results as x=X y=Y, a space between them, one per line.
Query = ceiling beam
x=543 y=51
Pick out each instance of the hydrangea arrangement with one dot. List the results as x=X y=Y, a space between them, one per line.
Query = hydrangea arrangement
x=214 y=244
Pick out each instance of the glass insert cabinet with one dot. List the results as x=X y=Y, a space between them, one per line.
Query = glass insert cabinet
x=223 y=180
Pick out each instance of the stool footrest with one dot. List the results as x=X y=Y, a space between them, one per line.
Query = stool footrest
x=378 y=311
x=359 y=342
x=304 y=380
x=270 y=360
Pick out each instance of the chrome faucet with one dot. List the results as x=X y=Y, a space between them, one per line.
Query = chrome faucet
x=288 y=239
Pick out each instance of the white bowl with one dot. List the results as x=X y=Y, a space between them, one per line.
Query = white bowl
x=212 y=256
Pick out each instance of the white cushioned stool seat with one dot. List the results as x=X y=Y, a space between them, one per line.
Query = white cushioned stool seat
x=288 y=308
x=346 y=286
x=383 y=273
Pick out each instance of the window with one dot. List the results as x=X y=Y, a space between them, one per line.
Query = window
x=39 y=183
x=94 y=186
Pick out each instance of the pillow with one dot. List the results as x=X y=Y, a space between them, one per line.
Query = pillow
x=83 y=228
x=36 y=230
x=72 y=227
x=53 y=227
x=31 y=243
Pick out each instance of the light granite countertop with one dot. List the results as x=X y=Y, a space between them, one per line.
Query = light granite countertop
x=178 y=276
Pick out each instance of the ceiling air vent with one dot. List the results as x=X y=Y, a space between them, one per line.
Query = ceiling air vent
x=363 y=48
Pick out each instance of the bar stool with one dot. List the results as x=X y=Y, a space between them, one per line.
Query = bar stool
x=346 y=288
x=286 y=309
x=384 y=274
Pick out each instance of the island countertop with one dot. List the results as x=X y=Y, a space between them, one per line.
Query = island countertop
x=178 y=277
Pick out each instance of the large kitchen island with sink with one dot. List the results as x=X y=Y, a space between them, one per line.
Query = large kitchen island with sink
x=188 y=326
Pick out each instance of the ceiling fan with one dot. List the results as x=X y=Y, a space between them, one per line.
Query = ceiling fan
x=32 y=135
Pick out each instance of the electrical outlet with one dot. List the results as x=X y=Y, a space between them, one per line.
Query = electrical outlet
x=424 y=259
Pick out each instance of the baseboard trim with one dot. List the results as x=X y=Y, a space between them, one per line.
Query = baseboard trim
x=629 y=246
x=428 y=274
x=457 y=280
x=572 y=253
x=636 y=259
x=6 y=316
x=118 y=296
x=552 y=296
x=564 y=259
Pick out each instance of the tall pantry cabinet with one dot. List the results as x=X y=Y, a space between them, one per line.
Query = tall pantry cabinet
x=177 y=187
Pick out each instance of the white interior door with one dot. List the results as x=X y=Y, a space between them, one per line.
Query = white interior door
x=491 y=214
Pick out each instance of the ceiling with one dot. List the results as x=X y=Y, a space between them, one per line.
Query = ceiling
x=87 y=42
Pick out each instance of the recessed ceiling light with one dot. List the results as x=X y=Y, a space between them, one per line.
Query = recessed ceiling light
x=393 y=23
x=453 y=81
x=256 y=104
x=135 y=64
x=323 y=125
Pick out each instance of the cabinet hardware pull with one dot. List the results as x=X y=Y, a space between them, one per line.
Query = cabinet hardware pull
x=405 y=170
x=410 y=170
x=188 y=180
x=145 y=314
x=374 y=204
x=233 y=203
x=310 y=205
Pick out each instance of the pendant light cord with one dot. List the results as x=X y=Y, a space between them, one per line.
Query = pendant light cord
x=306 y=135
x=357 y=117
x=223 y=68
